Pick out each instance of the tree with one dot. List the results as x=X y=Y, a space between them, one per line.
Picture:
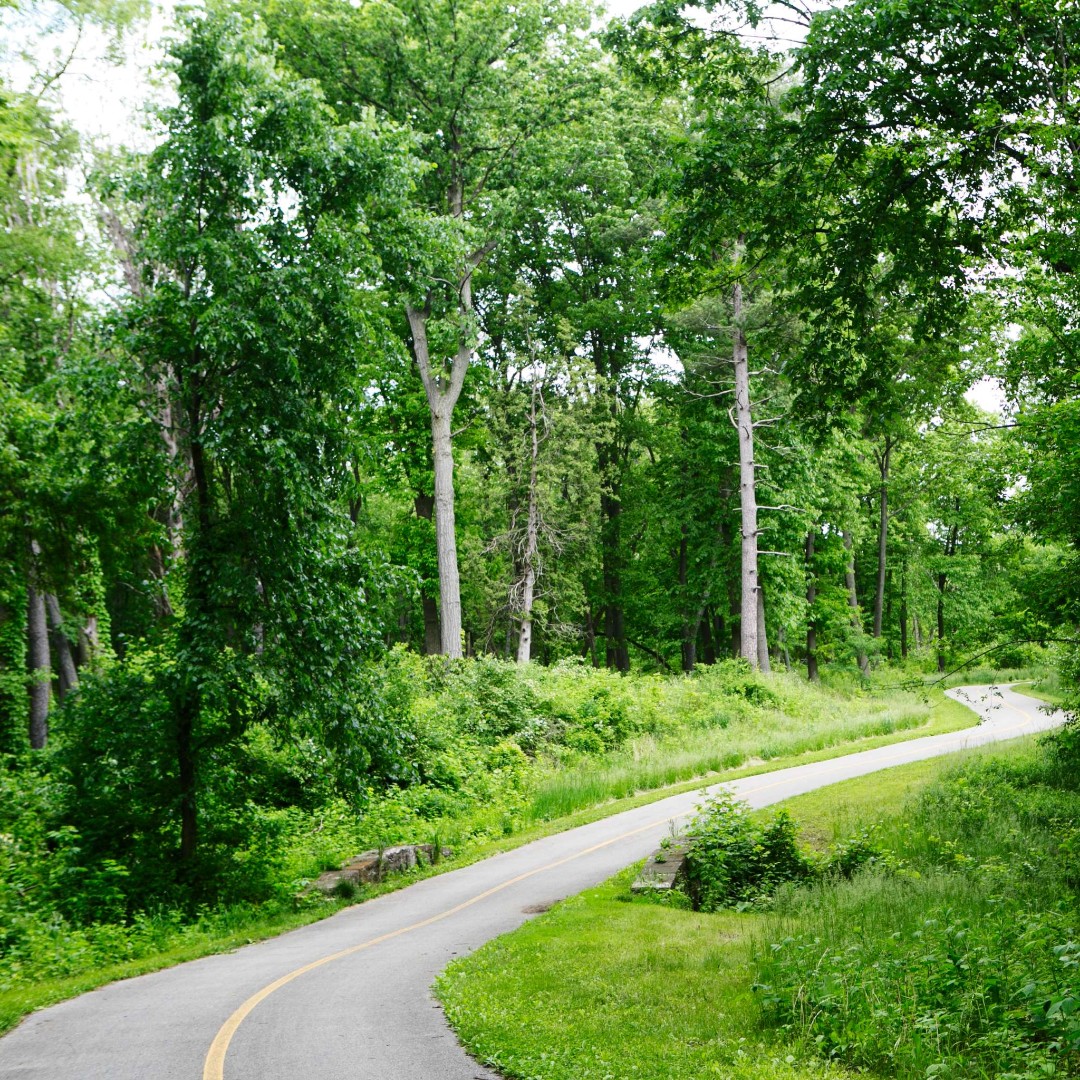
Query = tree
x=258 y=232
x=475 y=81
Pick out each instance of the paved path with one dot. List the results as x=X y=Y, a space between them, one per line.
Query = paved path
x=349 y=997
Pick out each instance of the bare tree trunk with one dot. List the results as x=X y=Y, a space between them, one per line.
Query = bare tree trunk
x=445 y=538
x=185 y=757
x=689 y=645
x=853 y=603
x=425 y=509
x=89 y=641
x=762 y=638
x=811 y=623
x=532 y=537
x=442 y=395
x=708 y=648
x=37 y=662
x=942 y=582
x=903 y=611
x=915 y=630
x=744 y=423
x=67 y=677
x=883 y=535
x=590 y=638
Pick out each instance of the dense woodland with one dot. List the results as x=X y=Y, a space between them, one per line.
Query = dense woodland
x=512 y=335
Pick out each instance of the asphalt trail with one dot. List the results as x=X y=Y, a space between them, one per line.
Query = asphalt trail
x=349 y=997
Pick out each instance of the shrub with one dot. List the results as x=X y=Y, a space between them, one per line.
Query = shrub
x=735 y=862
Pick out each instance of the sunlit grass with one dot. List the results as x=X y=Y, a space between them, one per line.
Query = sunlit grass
x=608 y=988
x=814 y=724
x=613 y=987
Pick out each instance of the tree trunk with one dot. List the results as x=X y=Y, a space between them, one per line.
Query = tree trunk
x=425 y=509
x=89 y=641
x=811 y=624
x=762 y=638
x=187 y=710
x=853 y=603
x=532 y=537
x=445 y=538
x=783 y=645
x=942 y=581
x=708 y=649
x=37 y=661
x=883 y=535
x=903 y=611
x=67 y=677
x=748 y=607
x=689 y=646
x=617 y=655
x=442 y=395
x=590 y=638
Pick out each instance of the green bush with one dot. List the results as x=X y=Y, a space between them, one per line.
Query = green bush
x=735 y=862
x=955 y=952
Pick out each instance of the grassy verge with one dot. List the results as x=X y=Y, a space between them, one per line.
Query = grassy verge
x=607 y=987
x=223 y=933
x=633 y=777
x=1047 y=688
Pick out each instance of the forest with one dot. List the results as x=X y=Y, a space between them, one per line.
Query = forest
x=450 y=392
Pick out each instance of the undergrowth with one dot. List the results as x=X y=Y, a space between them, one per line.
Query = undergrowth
x=490 y=750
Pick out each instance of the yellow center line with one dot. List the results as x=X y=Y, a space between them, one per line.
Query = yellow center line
x=214 y=1066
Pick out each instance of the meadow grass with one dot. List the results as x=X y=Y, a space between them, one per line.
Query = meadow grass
x=812 y=725
x=606 y=986
x=1046 y=687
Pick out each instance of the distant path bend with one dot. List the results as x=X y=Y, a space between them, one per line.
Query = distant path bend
x=350 y=997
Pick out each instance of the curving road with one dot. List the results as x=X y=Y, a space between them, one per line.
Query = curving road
x=349 y=997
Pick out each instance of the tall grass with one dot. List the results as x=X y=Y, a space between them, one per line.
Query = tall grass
x=809 y=719
x=956 y=955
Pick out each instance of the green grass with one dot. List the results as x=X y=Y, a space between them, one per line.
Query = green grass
x=223 y=933
x=810 y=724
x=623 y=781
x=611 y=988
x=1047 y=687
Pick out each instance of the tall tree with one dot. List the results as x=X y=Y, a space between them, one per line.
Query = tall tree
x=257 y=235
x=475 y=81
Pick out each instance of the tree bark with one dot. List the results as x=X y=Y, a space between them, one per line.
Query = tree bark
x=903 y=611
x=37 y=662
x=185 y=757
x=445 y=534
x=425 y=509
x=853 y=603
x=67 y=677
x=942 y=582
x=442 y=395
x=744 y=423
x=883 y=535
x=762 y=637
x=689 y=645
x=532 y=537
x=708 y=648
x=811 y=623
